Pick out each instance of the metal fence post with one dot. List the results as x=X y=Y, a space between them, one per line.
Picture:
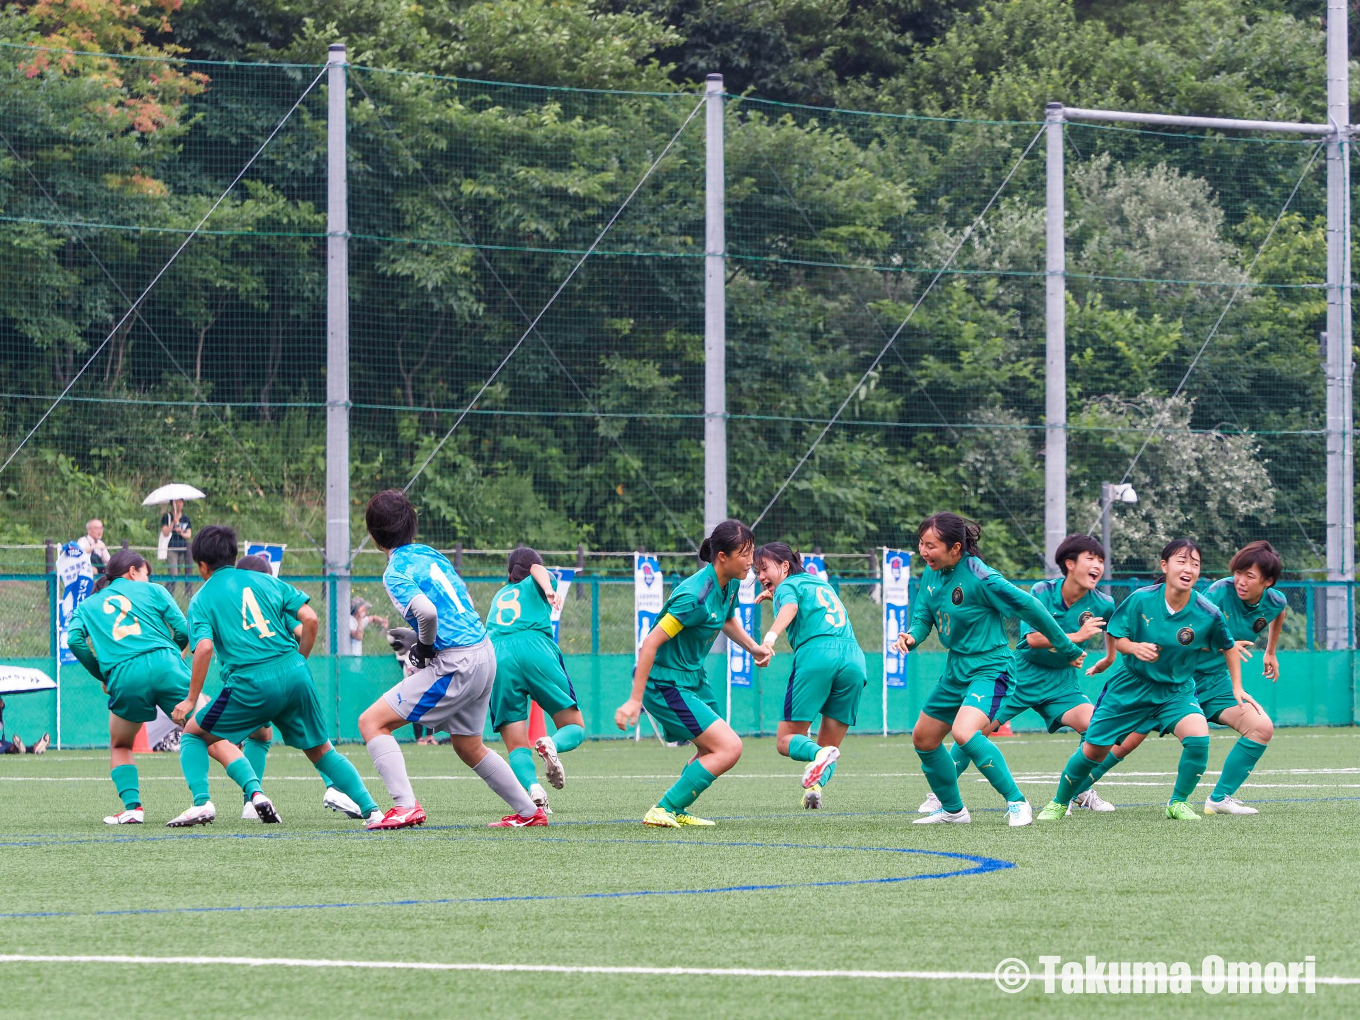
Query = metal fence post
x=715 y=313
x=337 y=351
x=594 y=616
x=1055 y=344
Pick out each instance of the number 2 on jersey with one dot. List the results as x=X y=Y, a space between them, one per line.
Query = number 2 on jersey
x=120 y=605
x=251 y=617
x=835 y=612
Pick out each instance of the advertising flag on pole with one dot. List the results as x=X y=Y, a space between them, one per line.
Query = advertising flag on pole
x=740 y=667
x=564 y=576
x=648 y=598
x=815 y=565
x=896 y=619
x=73 y=570
x=273 y=553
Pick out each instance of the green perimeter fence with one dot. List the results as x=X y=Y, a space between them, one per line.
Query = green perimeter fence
x=1317 y=687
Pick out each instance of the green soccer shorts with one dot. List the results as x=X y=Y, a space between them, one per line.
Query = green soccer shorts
x=1215 y=696
x=278 y=693
x=828 y=678
x=528 y=666
x=682 y=712
x=139 y=686
x=1131 y=705
x=983 y=689
x=1052 y=693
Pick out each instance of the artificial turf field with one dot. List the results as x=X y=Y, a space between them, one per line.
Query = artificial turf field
x=851 y=889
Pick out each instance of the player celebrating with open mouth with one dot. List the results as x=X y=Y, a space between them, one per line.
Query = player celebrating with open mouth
x=1161 y=633
x=967 y=603
x=828 y=675
x=669 y=680
x=1042 y=679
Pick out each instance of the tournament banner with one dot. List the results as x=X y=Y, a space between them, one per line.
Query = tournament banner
x=648 y=597
x=273 y=553
x=815 y=565
x=563 y=576
x=740 y=667
x=896 y=617
x=73 y=565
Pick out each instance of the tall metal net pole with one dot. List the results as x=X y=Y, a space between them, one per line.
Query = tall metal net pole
x=337 y=354
x=715 y=314
x=1340 y=442
x=1055 y=346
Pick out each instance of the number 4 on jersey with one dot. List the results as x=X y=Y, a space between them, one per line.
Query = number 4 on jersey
x=251 y=617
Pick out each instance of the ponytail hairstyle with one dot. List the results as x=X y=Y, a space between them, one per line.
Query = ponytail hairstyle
x=728 y=537
x=119 y=564
x=521 y=559
x=1171 y=548
x=780 y=552
x=953 y=530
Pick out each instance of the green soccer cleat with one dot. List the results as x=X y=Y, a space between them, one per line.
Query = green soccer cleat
x=685 y=818
x=1051 y=812
x=659 y=818
x=1180 y=811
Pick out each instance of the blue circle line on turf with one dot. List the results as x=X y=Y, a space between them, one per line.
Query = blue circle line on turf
x=980 y=866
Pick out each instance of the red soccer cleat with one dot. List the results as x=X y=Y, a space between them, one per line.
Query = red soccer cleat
x=515 y=821
x=399 y=818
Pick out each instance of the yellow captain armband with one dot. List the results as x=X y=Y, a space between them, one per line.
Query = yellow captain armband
x=670 y=625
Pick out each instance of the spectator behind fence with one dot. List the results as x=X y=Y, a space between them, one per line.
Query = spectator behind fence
x=175 y=525
x=13 y=745
x=359 y=619
x=93 y=544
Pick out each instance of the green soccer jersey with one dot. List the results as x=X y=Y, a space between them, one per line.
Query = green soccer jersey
x=520 y=607
x=1182 y=638
x=692 y=616
x=244 y=614
x=820 y=612
x=1092 y=605
x=968 y=605
x=1245 y=623
x=124 y=620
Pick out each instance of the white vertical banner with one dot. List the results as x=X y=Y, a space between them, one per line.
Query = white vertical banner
x=272 y=552
x=896 y=619
x=648 y=599
x=77 y=580
x=564 y=576
x=815 y=565
x=741 y=668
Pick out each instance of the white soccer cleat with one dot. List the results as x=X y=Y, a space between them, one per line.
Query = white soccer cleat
x=374 y=817
x=265 y=810
x=812 y=797
x=249 y=812
x=337 y=801
x=132 y=816
x=552 y=765
x=930 y=805
x=200 y=814
x=540 y=797
x=943 y=817
x=1089 y=800
x=1228 y=806
x=1018 y=813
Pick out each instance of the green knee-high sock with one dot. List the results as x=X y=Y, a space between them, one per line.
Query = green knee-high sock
x=990 y=762
x=961 y=759
x=193 y=762
x=1110 y=761
x=125 y=782
x=569 y=738
x=829 y=771
x=694 y=780
x=522 y=765
x=257 y=753
x=942 y=777
x=1078 y=767
x=1194 y=760
x=1238 y=765
x=339 y=772
x=802 y=747
x=240 y=773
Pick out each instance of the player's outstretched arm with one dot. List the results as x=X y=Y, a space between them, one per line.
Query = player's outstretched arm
x=198 y=676
x=626 y=715
x=734 y=630
x=781 y=623
x=307 y=628
x=545 y=583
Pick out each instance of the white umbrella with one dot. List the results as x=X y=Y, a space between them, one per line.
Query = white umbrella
x=19 y=680
x=173 y=491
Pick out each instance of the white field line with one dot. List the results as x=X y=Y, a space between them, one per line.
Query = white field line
x=539 y=968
